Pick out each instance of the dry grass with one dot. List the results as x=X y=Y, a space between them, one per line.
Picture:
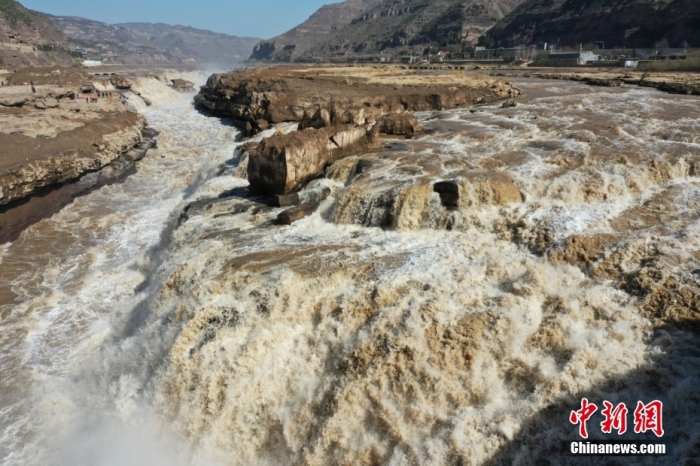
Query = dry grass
x=690 y=64
x=399 y=77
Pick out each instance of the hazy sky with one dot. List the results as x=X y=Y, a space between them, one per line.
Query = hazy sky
x=259 y=18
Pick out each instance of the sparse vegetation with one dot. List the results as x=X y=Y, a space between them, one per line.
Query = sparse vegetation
x=689 y=64
x=12 y=11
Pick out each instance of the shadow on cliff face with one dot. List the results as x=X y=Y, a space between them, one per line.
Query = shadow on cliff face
x=672 y=377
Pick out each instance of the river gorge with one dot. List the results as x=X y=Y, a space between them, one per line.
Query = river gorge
x=168 y=319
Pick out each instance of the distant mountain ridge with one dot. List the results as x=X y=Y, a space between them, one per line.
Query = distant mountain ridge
x=144 y=43
x=617 y=23
x=359 y=27
x=29 y=38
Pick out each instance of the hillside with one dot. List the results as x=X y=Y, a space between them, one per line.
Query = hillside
x=360 y=27
x=618 y=23
x=29 y=38
x=144 y=43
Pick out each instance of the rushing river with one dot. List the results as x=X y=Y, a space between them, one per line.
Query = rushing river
x=385 y=328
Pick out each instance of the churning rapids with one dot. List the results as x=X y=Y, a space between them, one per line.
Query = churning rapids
x=168 y=320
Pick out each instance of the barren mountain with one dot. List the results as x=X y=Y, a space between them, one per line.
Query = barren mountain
x=136 y=43
x=360 y=27
x=29 y=38
x=618 y=23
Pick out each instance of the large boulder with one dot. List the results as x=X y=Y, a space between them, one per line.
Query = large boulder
x=281 y=164
x=181 y=85
x=290 y=216
x=17 y=100
x=46 y=102
x=87 y=88
x=399 y=124
x=120 y=82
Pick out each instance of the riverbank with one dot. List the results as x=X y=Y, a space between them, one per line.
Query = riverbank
x=67 y=280
x=672 y=82
x=68 y=133
x=259 y=98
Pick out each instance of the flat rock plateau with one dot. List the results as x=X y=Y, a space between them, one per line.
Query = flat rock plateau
x=58 y=125
x=338 y=110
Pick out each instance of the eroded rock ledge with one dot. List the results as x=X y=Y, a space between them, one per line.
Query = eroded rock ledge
x=37 y=163
x=339 y=111
x=336 y=96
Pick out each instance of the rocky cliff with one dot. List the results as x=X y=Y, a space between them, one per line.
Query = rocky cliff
x=258 y=99
x=31 y=163
x=339 y=111
x=356 y=28
x=618 y=23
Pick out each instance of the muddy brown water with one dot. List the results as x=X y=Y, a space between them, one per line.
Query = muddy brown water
x=382 y=329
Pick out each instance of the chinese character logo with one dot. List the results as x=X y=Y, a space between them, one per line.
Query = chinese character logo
x=647 y=418
x=614 y=418
x=582 y=416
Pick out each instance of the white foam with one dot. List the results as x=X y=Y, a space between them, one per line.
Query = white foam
x=335 y=333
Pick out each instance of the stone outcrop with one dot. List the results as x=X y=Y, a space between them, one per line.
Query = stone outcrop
x=87 y=88
x=120 y=82
x=257 y=99
x=282 y=163
x=16 y=100
x=671 y=82
x=182 y=85
x=335 y=116
x=449 y=193
x=399 y=124
x=290 y=216
x=46 y=102
x=51 y=199
x=65 y=163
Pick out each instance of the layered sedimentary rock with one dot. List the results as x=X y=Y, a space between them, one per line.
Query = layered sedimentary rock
x=361 y=28
x=283 y=163
x=335 y=115
x=399 y=124
x=336 y=96
x=66 y=157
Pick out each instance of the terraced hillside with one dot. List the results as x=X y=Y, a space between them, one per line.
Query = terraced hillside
x=360 y=27
x=29 y=38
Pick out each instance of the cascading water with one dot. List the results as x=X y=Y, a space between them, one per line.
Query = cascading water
x=385 y=328
x=67 y=277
